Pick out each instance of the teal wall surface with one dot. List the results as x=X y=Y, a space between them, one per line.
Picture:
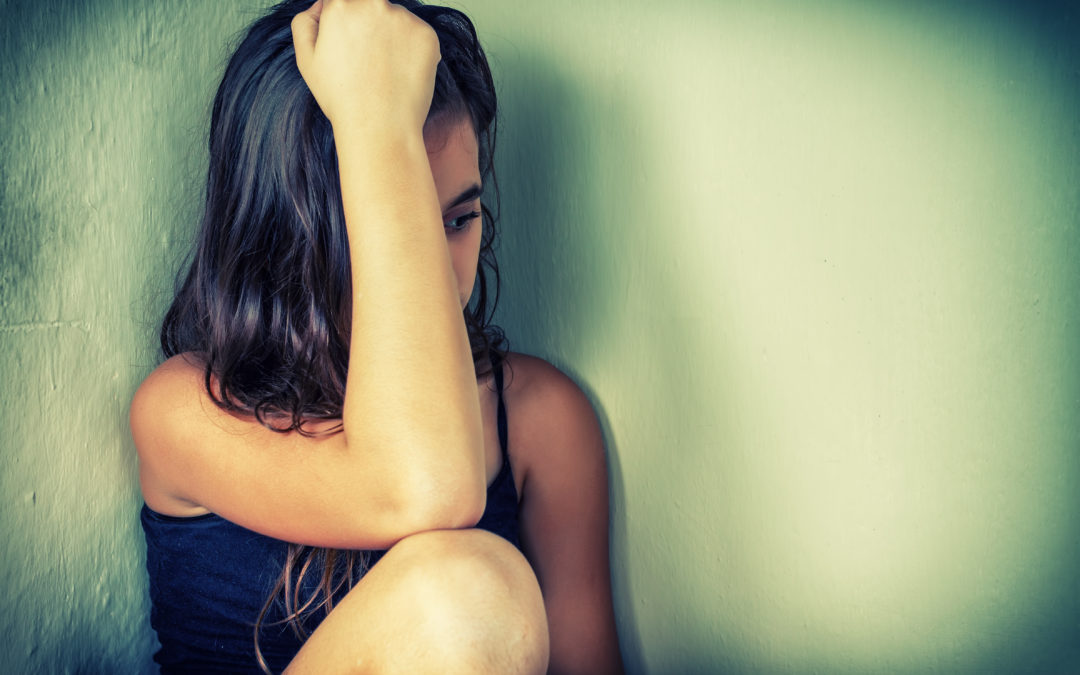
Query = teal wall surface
x=814 y=263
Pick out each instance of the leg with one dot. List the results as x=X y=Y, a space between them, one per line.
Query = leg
x=446 y=601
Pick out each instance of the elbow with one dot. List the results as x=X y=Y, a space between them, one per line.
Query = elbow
x=422 y=487
x=442 y=506
x=398 y=517
x=452 y=507
x=447 y=492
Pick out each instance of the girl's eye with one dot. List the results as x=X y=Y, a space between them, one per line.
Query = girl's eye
x=461 y=222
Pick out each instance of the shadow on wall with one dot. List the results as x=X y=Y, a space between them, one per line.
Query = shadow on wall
x=561 y=286
x=591 y=283
x=743 y=540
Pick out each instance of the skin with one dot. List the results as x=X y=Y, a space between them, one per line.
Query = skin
x=414 y=482
x=453 y=153
x=555 y=447
x=557 y=453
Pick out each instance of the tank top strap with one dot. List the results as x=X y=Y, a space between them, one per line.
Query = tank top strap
x=497 y=371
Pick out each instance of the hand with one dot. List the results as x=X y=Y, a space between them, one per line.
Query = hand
x=369 y=64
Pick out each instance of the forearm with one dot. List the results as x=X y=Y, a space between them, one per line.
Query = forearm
x=411 y=390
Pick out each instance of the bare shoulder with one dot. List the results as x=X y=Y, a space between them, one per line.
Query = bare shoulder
x=173 y=402
x=185 y=441
x=175 y=378
x=164 y=413
x=536 y=388
x=164 y=395
x=552 y=423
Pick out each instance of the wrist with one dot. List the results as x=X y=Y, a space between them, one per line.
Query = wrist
x=366 y=137
x=386 y=176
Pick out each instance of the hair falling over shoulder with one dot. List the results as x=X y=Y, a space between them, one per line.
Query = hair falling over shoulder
x=265 y=303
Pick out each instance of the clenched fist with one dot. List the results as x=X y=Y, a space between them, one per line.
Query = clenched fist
x=370 y=64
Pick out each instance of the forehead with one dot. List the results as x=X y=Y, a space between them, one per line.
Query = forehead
x=453 y=154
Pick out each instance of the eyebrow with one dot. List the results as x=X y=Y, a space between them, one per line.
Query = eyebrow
x=472 y=192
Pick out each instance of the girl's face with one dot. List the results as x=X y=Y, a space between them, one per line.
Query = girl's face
x=454 y=157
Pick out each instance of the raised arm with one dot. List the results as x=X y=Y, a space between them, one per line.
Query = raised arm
x=410 y=456
x=411 y=389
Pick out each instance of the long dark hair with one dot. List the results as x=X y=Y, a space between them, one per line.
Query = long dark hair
x=266 y=301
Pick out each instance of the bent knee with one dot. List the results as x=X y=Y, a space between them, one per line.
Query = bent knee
x=463 y=551
x=475 y=590
x=464 y=565
x=455 y=601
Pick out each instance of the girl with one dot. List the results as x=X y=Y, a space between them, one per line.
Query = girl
x=340 y=462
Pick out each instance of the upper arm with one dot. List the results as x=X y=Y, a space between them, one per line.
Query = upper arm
x=564 y=516
x=308 y=490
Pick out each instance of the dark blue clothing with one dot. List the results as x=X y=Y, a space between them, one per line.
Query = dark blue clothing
x=209 y=578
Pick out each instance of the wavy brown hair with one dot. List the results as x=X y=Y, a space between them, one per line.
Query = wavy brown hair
x=265 y=303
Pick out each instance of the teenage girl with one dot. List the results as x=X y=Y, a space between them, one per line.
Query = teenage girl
x=343 y=469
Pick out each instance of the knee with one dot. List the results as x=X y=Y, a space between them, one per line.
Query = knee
x=478 y=601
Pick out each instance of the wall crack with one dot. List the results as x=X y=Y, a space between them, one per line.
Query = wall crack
x=30 y=327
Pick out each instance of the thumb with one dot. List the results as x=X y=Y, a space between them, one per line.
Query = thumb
x=305 y=29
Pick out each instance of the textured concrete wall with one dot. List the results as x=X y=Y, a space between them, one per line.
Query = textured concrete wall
x=102 y=107
x=816 y=268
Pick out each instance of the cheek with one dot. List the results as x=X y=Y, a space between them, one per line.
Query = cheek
x=464 y=253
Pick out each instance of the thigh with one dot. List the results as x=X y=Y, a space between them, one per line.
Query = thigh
x=439 y=601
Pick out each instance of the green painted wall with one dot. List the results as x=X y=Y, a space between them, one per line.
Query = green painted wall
x=815 y=264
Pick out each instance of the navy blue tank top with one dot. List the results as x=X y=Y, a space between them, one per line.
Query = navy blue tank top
x=209 y=578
